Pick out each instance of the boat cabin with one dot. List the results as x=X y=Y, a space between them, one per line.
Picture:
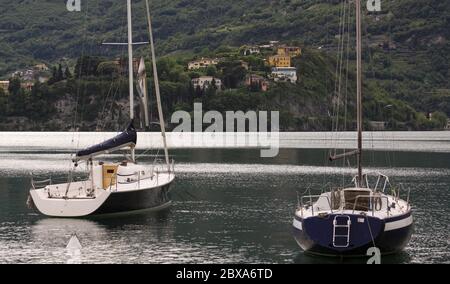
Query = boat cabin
x=353 y=199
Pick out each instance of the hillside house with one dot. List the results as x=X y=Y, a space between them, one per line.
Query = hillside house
x=202 y=63
x=252 y=50
x=41 y=67
x=284 y=74
x=291 y=51
x=255 y=81
x=4 y=85
x=18 y=74
x=27 y=86
x=28 y=75
x=204 y=82
x=280 y=61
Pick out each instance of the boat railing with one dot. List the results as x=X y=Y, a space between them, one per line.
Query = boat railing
x=161 y=163
x=402 y=189
x=39 y=184
x=374 y=201
x=382 y=181
x=312 y=200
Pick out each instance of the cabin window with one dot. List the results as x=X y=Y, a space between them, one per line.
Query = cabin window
x=110 y=171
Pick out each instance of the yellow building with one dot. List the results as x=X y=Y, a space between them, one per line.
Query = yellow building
x=280 y=61
x=4 y=85
x=291 y=51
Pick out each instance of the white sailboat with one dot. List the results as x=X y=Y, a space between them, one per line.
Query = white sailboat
x=113 y=187
x=349 y=221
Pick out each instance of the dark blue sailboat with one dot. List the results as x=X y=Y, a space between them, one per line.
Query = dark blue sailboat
x=349 y=221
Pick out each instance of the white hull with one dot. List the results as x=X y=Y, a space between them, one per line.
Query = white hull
x=135 y=189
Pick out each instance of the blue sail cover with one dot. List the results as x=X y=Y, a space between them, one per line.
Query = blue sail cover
x=126 y=138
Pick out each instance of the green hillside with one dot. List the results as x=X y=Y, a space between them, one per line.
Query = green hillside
x=406 y=45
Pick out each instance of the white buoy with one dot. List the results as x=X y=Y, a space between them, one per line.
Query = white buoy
x=74 y=250
x=74 y=243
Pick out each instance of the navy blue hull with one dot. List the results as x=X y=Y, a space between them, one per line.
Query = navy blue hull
x=120 y=202
x=316 y=236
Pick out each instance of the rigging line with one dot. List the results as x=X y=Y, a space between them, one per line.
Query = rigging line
x=327 y=92
x=85 y=85
x=335 y=107
x=392 y=163
x=104 y=115
x=157 y=90
x=83 y=49
x=120 y=77
x=333 y=134
x=339 y=67
x=341 y=64
x=102 y=121
x=345 y=101
x=113 y=102
x=341 y=59
x=365 y=17
x=75 y=129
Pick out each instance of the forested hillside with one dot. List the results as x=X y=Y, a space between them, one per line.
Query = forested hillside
x=407 y=50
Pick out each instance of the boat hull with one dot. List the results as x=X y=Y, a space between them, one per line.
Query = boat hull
x=155 y=197
x=314 y=235
x=139 y=200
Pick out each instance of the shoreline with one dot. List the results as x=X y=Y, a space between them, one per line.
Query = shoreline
x=414 y=141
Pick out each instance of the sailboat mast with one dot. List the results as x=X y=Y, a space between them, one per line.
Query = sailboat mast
x=157 y=90
x=130 y=69
x=359 y=90
x=130 y=60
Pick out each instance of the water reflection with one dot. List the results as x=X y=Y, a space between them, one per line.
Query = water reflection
x=227 y=208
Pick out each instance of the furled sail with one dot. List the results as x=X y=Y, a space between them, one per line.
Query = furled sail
x=128 y=138
x=142 y=90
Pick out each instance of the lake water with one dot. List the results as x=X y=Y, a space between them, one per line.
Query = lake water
x=230 y=205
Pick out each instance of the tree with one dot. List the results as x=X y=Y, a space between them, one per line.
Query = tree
x=211 y=70
x=108 y=68
x=59 y=74
x=439 y=120
x=67 y=74
x=14 y=86
x=87 y=66
x=3 y=103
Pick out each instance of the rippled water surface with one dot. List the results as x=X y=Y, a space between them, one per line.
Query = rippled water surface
x=230 y=206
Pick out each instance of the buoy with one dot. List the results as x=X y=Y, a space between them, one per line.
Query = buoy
x=74 y=244
x=74 y=250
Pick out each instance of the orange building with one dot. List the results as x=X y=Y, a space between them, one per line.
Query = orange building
x=280 y=61
x=291 y=51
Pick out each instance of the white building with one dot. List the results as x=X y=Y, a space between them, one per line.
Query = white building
x=41 y=67
x=202 y=63
x=284 y=74
x=252 y=50
x=205 y=82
